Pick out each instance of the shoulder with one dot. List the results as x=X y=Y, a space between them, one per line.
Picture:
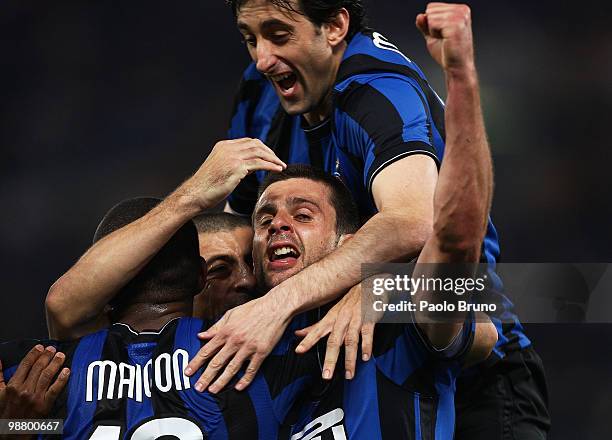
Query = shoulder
x=377 y=98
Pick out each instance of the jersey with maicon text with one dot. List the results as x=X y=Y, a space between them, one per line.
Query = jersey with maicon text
x=130 y=385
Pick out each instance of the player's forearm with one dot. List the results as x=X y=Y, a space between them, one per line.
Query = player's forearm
x=463 y=196
x=81 y=294
x=376 y=242
x=461 y=205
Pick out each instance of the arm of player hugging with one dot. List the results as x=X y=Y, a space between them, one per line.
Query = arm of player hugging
x=387 y=122
x=78 y=298
x=80 y=295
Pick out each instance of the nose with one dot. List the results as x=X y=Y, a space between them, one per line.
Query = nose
x=279 y=224
x=265 y=58
x=245 y=282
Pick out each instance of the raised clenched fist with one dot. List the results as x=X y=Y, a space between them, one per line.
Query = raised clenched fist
x=447 y=29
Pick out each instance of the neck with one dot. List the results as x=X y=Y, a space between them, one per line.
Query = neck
x=323 y=110
x=142 y=316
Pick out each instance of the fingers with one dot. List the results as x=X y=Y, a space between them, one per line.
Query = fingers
x=445 y=14
x=250 y=372
x=26 y=364
x=229 y=372
x=304 y=331
x=313 y=334
x=49 y=372
x=254 y=148
x=334 y=342
x=351 y=346
x=367 y=338
x=203 y=355
x=209 y=349
x=212 y=331
x=421 y=24
x=214 y=366
x=41 y=363
x=57 y=387
x=261 y=164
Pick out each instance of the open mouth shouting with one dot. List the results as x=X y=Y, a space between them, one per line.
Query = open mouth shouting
x=285 y=83
x=282 y=255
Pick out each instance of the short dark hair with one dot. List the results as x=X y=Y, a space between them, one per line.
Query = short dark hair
x=347 y=214
x=220 y=222
x=172 y=274
x=320 y=11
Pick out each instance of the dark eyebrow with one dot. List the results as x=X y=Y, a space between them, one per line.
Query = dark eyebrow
x=301 y=200
x=266 y=208
x=220 y=257
x=266 y=24
x=275 y=22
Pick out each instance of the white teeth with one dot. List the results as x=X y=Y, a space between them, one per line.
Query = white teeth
x=280 y=77
x=283 y=251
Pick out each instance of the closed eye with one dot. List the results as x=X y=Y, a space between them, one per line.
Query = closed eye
x=250 y=41
x=218 y=271
x=265 y=221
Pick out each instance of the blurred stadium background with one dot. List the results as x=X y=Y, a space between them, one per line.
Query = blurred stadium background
x=107 y=100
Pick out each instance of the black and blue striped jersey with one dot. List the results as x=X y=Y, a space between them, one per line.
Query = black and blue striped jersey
x=130 y=385
x=405 y=391
x=383 y=110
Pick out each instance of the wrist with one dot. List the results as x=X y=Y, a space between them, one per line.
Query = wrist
x=464 y=74
x=284 y=299
x=184 y=202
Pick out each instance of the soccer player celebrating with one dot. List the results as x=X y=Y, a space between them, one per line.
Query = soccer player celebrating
x=126 y=380
x=226 y=244
x=325 y=89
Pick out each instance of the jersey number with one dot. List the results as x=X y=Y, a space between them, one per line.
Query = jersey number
x=182 y=429
x=382 y=43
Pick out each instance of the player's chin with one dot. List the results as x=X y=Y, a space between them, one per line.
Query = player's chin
x=274 y=278
x=294 y=107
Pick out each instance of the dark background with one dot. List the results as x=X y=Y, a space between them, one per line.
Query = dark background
x=107 y=100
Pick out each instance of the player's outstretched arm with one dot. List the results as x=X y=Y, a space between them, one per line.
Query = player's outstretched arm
x=465 y=184
x=76 y=300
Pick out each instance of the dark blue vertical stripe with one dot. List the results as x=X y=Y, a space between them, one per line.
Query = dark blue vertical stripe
x=417 y=417
x=201 y=406
x=445 y=415
x=80 y=413
x=361 y=404
x=266 y=420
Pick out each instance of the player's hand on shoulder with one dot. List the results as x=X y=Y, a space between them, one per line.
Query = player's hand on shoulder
x=36 y=384
x=245 y=334
x=447 y=29
x=345 y=324
x=228 y=163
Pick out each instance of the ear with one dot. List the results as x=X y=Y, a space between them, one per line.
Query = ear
x=337 y=27
x=344 y=238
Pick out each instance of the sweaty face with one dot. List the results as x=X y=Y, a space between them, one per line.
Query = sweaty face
x=293 y=53
x=295 y=226
x=229 y=281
